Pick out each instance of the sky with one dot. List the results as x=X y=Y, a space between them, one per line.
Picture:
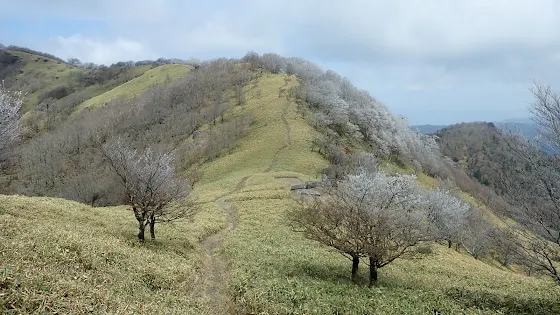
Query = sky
x=433 y=61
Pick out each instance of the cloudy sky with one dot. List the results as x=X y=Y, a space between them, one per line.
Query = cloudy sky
x=435 y=61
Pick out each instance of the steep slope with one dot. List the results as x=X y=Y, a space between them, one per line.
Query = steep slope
x=9 y=65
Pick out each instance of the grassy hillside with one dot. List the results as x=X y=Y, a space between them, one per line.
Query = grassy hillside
x=62 y=257
x=239 y=254
x=39 y=75
x=274 y=270
x=137 y=86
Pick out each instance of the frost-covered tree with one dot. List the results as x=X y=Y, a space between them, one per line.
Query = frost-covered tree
x=10 y=104
x=151 y=187
x=447 y=215
x=371 y=215
x=394 y=219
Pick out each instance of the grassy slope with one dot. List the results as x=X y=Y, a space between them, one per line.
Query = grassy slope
x=52 y=72
x=274 y=270
x=61 y=256
x=137 y=86
x=66 y=256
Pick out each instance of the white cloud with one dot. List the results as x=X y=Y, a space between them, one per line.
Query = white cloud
x=101 y=51
x=437 y=27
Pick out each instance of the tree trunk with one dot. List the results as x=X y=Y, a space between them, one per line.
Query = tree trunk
x=152 y=229
x=141 y=218
x=141 y=228
x=372 y=272
x=355 y=263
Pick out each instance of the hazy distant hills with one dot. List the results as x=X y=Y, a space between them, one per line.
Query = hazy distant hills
x=525 y=126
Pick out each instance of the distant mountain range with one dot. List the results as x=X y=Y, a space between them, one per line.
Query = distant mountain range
x=524 y=126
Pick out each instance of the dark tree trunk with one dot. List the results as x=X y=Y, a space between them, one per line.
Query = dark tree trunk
x=152 y=228
x=372 y=272
x=141 y=228
x=94 y=199
x=449 y=243
x=141 y=218
x=355 y=263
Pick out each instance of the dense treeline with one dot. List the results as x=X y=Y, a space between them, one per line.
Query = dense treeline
x=480 y=149
x=31 y=51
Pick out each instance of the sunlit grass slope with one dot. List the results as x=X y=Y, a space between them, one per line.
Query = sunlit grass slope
x=137 y=86
x=275 y=270
x=266 y=153
x=38 y=68
x=62 y=257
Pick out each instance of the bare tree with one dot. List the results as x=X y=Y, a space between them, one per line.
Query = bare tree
x=532 y=187
x=74 y=61
x=151 y=187
x=239 y=95
x=476 y=235
x=10 y=104
x=333 y=222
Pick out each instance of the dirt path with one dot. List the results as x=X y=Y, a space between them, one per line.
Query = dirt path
x=214 y=272
x=213 y=275
x=214 y=282
x=287 y=127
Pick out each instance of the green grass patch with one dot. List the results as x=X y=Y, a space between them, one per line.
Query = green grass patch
x=137 y=86
x=44 y=72
x=276 y=271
